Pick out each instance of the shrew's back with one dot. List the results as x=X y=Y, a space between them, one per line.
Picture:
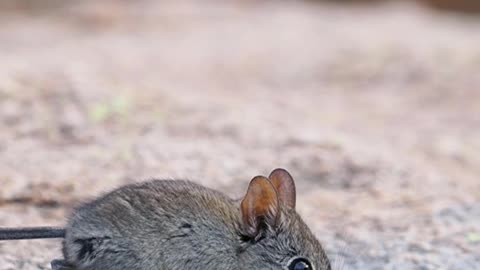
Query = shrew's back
x=147 y=223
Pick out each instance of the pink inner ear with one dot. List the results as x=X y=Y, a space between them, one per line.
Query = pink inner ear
x=285 y=187
x=259 y=204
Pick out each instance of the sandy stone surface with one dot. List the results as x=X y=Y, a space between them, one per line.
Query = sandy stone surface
x=374 y=110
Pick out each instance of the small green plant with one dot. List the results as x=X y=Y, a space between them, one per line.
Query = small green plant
x=118 y=106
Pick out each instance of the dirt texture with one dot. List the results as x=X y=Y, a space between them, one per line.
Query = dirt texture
x=375 y=110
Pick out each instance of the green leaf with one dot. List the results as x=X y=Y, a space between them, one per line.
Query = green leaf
x=100 y=112
x=473 y=237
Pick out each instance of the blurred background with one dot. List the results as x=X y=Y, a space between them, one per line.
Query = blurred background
x=373 y=106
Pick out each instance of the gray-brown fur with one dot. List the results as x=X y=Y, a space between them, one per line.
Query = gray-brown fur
x=166 y=225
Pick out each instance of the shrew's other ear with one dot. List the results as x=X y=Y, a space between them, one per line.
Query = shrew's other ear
x=285 y=187
x=260 y=207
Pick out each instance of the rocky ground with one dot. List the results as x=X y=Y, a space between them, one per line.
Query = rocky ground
x=374 y=110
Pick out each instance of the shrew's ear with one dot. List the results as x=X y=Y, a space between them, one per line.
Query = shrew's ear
x=285 y=187
x=260 y=207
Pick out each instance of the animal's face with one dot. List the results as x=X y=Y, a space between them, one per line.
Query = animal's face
x=275 y=237
x=289 y=246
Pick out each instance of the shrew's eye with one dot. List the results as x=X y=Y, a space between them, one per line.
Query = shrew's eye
x=300 y=264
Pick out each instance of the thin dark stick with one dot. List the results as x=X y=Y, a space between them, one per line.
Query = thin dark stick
x=31 y=233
